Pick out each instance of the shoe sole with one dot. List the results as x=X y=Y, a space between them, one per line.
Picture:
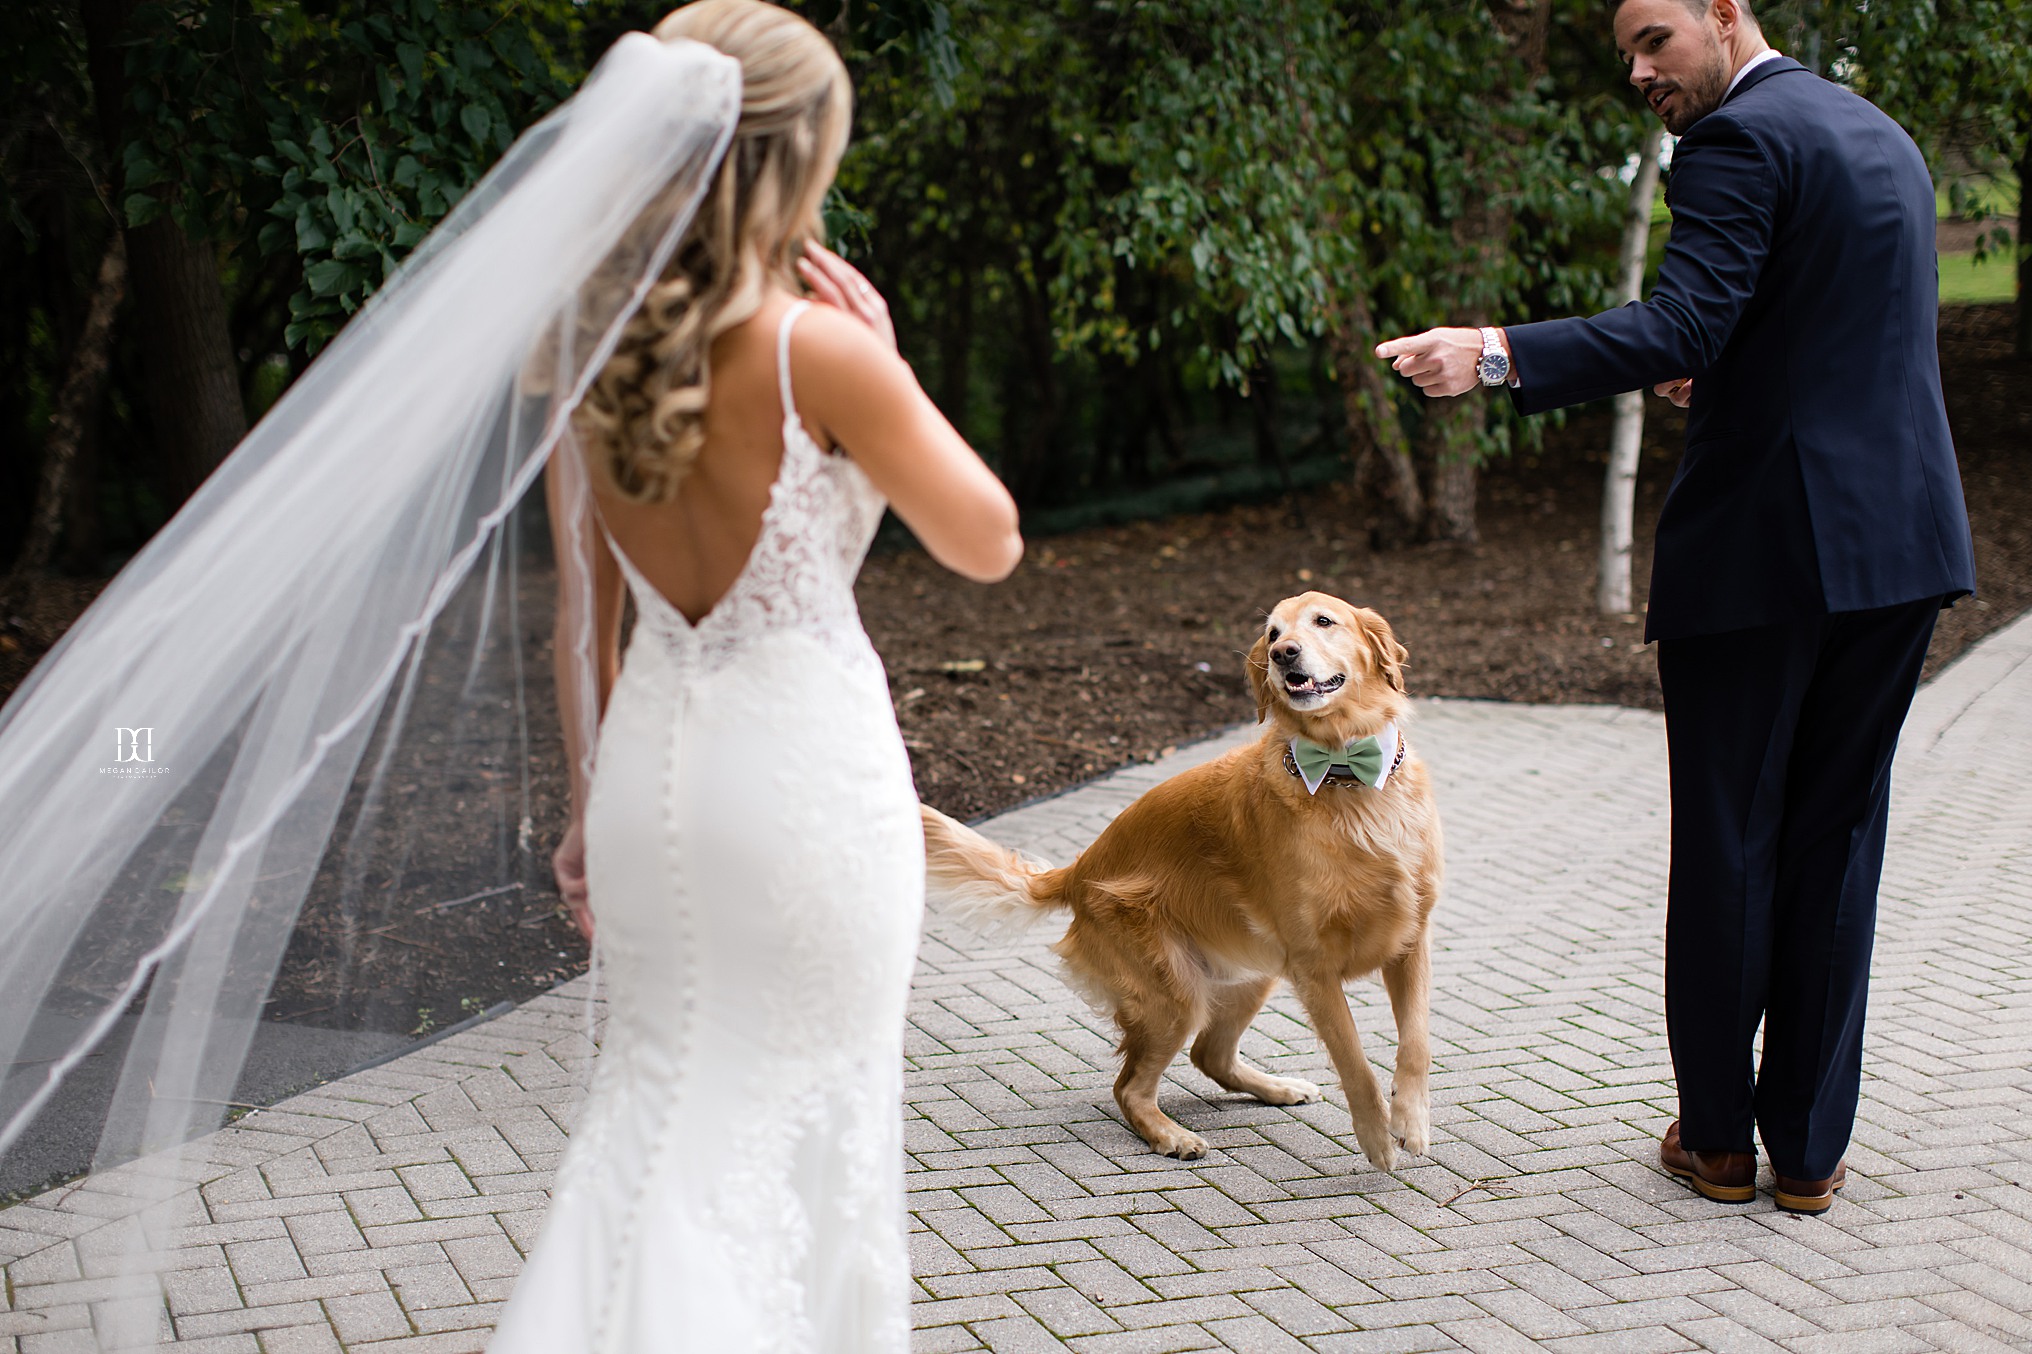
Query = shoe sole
x=1809 y=1204
x=1721 y=1194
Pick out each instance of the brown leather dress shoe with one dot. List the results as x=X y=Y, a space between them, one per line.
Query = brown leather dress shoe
x=1725 y=1177
x=1809 y=1196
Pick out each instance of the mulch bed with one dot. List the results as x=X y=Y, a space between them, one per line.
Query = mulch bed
x=1109 y=646
x=1112 y=645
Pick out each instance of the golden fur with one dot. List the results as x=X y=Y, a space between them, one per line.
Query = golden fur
x=1225 y=879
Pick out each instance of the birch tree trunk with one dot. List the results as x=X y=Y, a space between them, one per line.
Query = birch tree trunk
x=1619 y=493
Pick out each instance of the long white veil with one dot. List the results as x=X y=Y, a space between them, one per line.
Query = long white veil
x=213 y=743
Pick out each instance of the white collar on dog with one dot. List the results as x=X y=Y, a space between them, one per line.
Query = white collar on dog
x=1389 y=742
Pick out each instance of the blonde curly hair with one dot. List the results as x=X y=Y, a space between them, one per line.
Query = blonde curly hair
x=642 y=421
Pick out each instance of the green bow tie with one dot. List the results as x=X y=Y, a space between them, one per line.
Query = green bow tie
x=1362 y=758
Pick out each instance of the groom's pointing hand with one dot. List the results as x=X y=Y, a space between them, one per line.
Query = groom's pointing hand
x=1440 y=361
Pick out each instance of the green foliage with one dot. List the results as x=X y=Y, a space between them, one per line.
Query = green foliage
x=915 y=37
x=1115 y=233
x=338 y=135
x=1223 y=181
x=1957 y=74
x=1180 y=183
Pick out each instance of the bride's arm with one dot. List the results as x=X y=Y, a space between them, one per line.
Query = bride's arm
x=853 y=388
x=568 y=861
x=608 y=595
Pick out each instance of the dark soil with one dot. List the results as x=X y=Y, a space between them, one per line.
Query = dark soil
x=1111 y=645
x=1106 y=647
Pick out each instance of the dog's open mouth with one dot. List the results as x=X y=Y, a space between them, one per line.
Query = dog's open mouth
x=1303 y=684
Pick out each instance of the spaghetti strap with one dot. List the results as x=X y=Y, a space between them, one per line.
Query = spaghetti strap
x=783 y=356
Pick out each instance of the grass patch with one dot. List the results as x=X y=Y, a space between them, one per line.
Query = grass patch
x=1963 y=280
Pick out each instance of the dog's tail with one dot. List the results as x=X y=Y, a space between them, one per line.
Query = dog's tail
x=985 y=885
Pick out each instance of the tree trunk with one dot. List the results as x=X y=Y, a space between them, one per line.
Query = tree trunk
x=192 y=381
x=1619 y=491
x=1263 y=412
x=2024 y=222
x=955 y=353
x=1385 y=477
x=82 y=385
x=1453 y=455
x=1167 y=419
x=1451 y=444
x=1030 y=440
x=191 y=384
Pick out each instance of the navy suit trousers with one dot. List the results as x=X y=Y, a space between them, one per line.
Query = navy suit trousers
x=1781 y=739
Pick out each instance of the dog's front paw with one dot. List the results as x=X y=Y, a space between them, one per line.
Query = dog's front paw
x=1382 y=1153
x=1176 y=1142
x=1288 y=1091
x=1411 y=1123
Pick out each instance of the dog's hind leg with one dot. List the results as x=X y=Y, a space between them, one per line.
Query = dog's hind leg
x=1327 y=1007
x=1150 y=1041
x=1408 y=980
x=1217 y=1050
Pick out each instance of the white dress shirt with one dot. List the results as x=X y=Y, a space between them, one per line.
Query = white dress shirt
x=1768 y=54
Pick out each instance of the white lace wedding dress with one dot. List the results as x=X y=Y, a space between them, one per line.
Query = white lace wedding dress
x=755 y=868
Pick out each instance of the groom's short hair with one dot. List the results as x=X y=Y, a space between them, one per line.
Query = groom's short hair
x=1699 y=8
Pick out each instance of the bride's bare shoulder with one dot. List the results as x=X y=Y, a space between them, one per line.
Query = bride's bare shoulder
x=834 y=355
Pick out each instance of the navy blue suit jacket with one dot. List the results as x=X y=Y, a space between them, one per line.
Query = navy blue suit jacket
x=1800 y=290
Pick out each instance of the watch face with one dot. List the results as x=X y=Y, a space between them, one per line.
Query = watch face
x=1494 y=369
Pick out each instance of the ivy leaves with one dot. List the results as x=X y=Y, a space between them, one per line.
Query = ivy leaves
x=1274 y=170
x=340 y=136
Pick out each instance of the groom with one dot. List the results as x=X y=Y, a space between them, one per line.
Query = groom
x=1813 y=533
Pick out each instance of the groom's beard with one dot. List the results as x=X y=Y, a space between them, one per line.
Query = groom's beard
x=1688 y=103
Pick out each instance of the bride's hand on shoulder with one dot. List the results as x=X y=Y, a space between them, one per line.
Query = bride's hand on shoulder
x=837 y=283
x=853 y=388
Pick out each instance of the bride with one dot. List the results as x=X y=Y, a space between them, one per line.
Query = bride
x=748 y=851
x=245 y=728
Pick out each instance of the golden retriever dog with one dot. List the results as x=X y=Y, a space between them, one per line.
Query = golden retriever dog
x=1205 y=892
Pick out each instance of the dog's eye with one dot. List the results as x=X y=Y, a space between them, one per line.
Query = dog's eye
x=1322 y=619
x=1274 y=633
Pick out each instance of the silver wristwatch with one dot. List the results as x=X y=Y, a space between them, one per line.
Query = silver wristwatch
x=1494 y=368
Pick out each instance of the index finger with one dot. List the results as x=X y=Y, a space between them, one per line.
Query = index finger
x=832 y=263
x=1396 y=347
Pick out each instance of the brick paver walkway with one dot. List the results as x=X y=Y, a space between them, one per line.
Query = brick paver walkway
x=389 y=1210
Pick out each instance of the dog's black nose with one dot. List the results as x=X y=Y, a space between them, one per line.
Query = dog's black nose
x=1285 y=653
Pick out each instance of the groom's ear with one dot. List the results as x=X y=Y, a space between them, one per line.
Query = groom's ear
x=1259 y=675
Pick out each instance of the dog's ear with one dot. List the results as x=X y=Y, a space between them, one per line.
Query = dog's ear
x=1259 y=675
x=1390 y=655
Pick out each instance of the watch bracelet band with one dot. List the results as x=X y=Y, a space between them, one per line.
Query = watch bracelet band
x=1492 y=346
